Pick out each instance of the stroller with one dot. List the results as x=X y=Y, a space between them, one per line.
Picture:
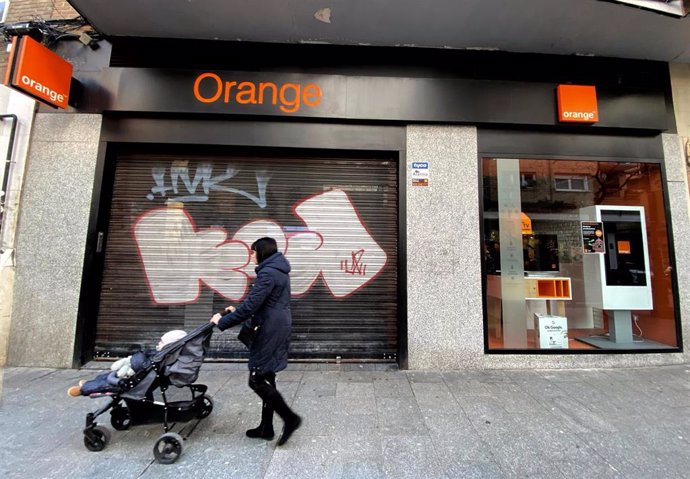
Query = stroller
x=132 y=402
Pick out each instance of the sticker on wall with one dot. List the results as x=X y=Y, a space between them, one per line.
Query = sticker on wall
x=420 y=173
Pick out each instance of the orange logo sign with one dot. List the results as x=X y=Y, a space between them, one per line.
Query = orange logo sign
x=211 y=88
x=38 y=72
x=577 y=104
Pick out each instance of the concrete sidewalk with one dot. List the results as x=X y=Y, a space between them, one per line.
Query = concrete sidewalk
x=364 y=422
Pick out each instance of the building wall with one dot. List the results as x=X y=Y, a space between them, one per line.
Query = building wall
x=25 y=10
x=445 y=320
x=445 y=317
x=680 y=85
x=51 y=238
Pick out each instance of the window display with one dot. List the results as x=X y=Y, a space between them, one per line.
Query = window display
x=594 y=264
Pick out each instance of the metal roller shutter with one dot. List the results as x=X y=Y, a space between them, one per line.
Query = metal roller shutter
x=176 y=249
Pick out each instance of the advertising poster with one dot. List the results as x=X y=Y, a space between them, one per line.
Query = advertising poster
x=420 y=173
x=592 y=237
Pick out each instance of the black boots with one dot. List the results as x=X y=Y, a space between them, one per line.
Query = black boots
x=265 y=429
x=265 y=387
x=289 y=427
x=292 y=421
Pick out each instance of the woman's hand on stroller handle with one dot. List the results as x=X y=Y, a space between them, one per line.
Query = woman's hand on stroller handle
x=216 y=317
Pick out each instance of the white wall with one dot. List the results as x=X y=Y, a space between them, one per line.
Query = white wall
x=11 y=103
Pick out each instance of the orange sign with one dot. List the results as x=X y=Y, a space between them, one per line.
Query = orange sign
x=211 y=88
x=577 y=104
x=38 y=72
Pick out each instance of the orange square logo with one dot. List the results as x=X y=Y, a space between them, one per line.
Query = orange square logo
x=39 y=72
x=577 y=104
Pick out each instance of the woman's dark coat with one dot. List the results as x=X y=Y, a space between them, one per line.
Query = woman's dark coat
x=267 y=304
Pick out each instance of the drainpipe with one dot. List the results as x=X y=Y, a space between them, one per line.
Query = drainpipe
x=8 y=162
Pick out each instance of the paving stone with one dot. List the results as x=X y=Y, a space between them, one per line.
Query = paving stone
x=410 y=457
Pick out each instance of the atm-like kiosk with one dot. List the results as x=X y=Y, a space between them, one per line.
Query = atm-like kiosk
x=618 y=280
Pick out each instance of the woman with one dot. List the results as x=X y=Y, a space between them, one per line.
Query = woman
x=267 y=305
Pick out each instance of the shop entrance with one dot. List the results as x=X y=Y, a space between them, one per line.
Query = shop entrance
x=181 y=222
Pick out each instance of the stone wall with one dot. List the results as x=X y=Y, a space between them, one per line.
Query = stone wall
x=51 y=239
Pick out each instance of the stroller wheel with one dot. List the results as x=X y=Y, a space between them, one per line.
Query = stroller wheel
x=168 y=448
x=120 y=418
x=96 y=439
x=206 y=407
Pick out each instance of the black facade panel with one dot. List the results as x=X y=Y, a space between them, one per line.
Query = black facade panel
x=543 y=144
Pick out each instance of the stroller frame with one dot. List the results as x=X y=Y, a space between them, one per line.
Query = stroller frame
x=128 y=409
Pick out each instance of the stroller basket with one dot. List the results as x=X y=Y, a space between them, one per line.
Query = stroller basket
x=132 y=402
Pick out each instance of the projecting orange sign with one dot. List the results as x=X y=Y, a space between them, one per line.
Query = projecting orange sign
x=38 y=72
x=577 y=104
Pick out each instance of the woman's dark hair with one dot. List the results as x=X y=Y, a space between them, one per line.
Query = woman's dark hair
x=264 y=248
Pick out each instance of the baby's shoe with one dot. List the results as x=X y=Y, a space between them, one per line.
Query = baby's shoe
x=74 y=391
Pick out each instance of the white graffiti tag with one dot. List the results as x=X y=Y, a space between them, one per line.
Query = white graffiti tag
x=176 y=257
x=179 y=172
x=333 y=218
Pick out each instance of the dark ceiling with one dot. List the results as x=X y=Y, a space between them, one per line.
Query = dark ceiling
x=563 y=27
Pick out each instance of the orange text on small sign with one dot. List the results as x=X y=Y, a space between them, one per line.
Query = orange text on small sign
x=39 y=72
x=420 y=182
x=577 y=104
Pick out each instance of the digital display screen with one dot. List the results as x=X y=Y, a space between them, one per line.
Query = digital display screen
x=624 y=258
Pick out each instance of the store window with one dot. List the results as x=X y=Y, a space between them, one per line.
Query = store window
x=580 y=260
x=528 y=180
x=570 y=183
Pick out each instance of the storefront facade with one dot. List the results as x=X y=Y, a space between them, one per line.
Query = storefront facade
x=395 y=191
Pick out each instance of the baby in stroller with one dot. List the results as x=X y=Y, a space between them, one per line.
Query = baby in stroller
x=123 y=368
x=132 y=402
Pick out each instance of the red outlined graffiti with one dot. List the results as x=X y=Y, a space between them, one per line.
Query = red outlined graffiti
x=340 y=239
x=355 y=266
x=177 y=257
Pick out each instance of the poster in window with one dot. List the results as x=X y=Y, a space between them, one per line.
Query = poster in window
x=593 y=237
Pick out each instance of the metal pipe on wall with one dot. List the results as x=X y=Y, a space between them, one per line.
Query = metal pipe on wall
x=8 y=162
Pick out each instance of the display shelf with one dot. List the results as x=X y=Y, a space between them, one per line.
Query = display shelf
x=548 y=288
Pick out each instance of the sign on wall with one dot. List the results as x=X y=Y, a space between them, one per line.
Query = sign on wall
x=38 y=72
x=420 y=173
x=577 y=104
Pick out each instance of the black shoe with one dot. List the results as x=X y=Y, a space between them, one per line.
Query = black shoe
x=260 y=433
x=289 y=428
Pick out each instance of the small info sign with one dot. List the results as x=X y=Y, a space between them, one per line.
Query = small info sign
x=420 y=173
